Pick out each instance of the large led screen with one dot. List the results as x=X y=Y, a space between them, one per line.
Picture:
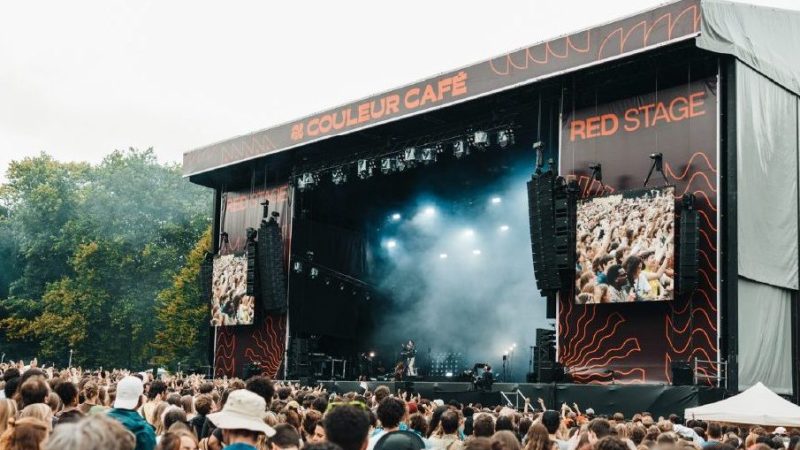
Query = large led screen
x=230 y=304
x=625 y=247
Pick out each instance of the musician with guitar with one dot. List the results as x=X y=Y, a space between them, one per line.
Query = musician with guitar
x=408 y=354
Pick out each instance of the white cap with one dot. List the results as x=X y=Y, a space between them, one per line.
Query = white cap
x=244 y=410
x=129 y=390
x=780 y=430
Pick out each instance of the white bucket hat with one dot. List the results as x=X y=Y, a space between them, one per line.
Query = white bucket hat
x=244 y=410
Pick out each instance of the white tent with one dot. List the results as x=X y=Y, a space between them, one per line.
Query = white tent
x=757 y=406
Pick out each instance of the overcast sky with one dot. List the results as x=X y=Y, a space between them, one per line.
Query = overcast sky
x=79 y=79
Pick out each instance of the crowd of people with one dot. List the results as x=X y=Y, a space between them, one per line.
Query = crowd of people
x=47 y=409
x=230 y=304
x=625 y=248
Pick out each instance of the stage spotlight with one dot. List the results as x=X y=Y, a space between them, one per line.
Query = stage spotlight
x=429 y=211
x=410 y=155
x=496 y=200
x=428 y=155
x=339 y=176
x=341 y=286
x=442 y=255
x=503 y=227
x=448 y=374
x=396 y=216
x=364 y=168
x=298 y=266
x=391 y=243
x=314 y=273
x=388 y=165
x=460 y=148
x=505 y=138
x=468 y=233
x=480 y=139
x=476 y=252
x=327 y=281
x=371 y=354
x=306 y=181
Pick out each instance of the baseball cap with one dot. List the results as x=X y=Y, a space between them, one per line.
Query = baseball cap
x=129 y=390
x=780 y=431
x=244 y=410
x=400 y=440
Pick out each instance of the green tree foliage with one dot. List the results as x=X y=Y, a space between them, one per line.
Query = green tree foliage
x=180 y=308
x=90 y=249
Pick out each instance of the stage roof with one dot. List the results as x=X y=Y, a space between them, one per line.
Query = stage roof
x=763 y=38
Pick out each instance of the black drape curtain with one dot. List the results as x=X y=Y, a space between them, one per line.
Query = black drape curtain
x=328 y=306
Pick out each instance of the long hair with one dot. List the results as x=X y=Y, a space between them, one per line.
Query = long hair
x=24 y=434
x=538 y=438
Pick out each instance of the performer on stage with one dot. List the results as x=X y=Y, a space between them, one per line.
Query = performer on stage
x=409 y=353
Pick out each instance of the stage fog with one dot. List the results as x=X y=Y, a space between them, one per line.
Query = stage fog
x=444 y=253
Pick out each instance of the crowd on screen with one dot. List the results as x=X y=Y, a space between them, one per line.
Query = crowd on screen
x=625 y=248
x=118 y=410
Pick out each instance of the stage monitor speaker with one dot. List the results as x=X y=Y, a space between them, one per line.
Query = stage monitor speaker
x=551 y=373
x=681 y=373
x=250 y=369
x=688 y=241
x=272 y=272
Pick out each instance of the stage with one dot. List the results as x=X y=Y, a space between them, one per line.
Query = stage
x=629 y=399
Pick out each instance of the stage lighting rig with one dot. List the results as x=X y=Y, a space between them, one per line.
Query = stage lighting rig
x=411 y=155
x=306 y=181
x=339 y=176
x=505 y=138
x=314 y=272
x=297 y=266
x=480 y=140
x=658 y=166
x=365 y=168
x=428 y=155
x=460 y=148
x=388 y=165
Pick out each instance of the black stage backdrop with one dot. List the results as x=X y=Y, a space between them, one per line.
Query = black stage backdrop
x=263 y=342
x=327 y=305
x=635 y=343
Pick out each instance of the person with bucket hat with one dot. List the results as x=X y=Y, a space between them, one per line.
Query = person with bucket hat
x=242 y=420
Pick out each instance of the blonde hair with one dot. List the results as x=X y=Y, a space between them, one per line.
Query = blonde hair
x=8 y=410
x=39 y=411
x=92 y=433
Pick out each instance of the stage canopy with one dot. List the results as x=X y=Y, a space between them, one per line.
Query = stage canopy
x=757 y=406
x=764 y=39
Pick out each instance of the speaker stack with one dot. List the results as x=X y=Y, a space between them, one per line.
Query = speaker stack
x=207 y=276
x=545 y=367
x=271 y=274
x=688 y=241
x=552 y=211
x=250 y=251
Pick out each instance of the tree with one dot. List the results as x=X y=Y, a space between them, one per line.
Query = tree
x=183 y=314
x=94 y=246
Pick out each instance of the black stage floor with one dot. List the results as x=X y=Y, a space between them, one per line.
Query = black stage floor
x=658 y=399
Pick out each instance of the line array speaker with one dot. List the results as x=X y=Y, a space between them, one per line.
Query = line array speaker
x=272 y=273
x=207 y=276
x=252 y=261
x=688 y=255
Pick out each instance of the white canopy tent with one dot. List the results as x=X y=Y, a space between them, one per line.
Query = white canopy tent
x=757 y=406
